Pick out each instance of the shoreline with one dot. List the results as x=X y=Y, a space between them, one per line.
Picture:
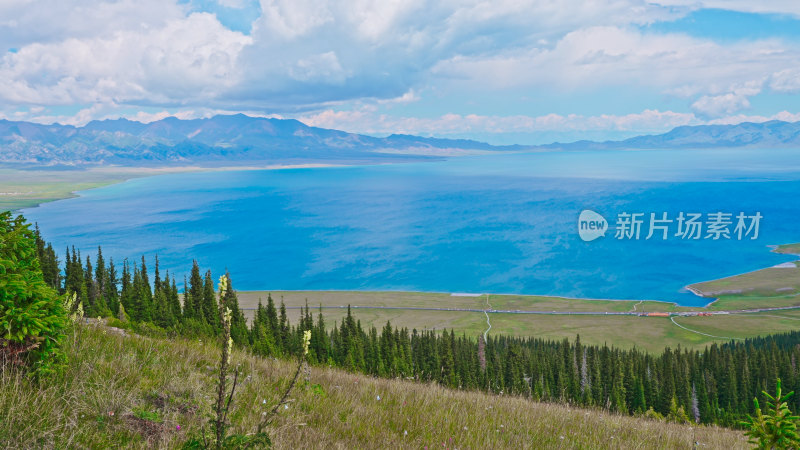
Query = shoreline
x=110 y=175
x=782 y=249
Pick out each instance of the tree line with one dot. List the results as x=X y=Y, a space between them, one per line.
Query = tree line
x=714 y=385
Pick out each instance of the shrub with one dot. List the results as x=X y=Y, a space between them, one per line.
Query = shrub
x=32 y=318
x=778 y=427
x=122 y=325
x=149 y=329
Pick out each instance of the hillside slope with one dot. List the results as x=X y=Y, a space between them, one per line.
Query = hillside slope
x=129 y=391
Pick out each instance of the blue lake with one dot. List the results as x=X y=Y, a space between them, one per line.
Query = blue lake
x=499 y=223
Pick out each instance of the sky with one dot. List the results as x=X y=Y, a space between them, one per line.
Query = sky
x=498 y=71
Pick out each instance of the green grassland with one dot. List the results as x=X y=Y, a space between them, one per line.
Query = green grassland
x=647 y=333
x=136 y=392
x=789 y=249
x=769 y=287
x=249 y=299
x=27 y=188
x=31 y=187
x=770 y=282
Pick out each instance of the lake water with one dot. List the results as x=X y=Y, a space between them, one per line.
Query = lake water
x=499 y=223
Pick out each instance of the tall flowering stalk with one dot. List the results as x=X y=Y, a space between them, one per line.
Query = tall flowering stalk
x=222 y=406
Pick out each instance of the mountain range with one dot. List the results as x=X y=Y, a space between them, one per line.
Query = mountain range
x=240 y=139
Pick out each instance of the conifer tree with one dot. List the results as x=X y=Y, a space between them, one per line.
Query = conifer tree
x=194 y=296
x=209 y=302
x=174 y=300
x=188 y=305
x=111 y=288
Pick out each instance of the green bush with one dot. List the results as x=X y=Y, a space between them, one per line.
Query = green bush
x=32 y=318
x=777 y=429
x=116 y=323
x=149 y=329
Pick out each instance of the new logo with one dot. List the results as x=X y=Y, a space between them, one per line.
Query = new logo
x=591 y=225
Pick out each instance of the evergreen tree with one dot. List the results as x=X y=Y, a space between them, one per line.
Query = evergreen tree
x=209 y=302
x=194 y=296
x=111 y=287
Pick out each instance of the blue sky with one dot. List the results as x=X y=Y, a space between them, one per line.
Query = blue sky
x=499 y=71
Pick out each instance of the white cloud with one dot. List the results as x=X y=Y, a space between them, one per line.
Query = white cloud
x=718 y=105
x=371 y=122
x=648 y=121
x=603 y=56
x=24 y=22
x=385 y=48
x=786 y=81
x=323 y=68
x=317 y=55
x=190 y=59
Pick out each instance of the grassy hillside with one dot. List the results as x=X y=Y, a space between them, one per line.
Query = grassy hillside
x=135 y=392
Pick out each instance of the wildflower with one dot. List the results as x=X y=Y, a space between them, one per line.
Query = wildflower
x=177 y=428
x=405 y=433
x=230 y=347
x=378 y=398
x=306 y=341
x=223 y=284
x=285 y=406
x=264 y=402
x=111 y=413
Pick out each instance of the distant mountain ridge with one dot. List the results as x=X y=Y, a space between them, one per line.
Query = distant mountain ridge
x=241 y=139
x=772 y=134
x=235 y=139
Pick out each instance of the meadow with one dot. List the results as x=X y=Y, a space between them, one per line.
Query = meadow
x=137 y=392
x=625 y=331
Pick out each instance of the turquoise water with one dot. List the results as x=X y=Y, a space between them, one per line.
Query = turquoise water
x=499 y=223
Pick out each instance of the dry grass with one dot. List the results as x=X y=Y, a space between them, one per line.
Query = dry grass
x=152 y=386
